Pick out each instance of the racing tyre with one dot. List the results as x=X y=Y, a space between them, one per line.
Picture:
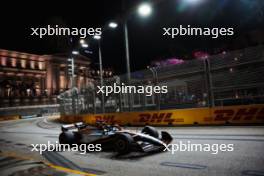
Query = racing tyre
x=123 y=143
x=67 y=137
x=150 y=131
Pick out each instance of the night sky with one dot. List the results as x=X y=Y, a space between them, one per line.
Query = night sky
x=145 y=35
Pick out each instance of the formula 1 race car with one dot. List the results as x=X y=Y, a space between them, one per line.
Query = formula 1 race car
x=114 y=138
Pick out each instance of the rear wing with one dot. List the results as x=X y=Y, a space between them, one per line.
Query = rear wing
x=78 y=125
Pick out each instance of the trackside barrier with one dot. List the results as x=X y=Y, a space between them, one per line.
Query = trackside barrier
x=29 y=116
x=244 y=114
x=16 y=117
x=9 y=117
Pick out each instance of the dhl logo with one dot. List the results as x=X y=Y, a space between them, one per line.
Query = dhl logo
x=156 y=117
x=107 y=119
x=142 y=118
x=239 y=114
x=234 y=114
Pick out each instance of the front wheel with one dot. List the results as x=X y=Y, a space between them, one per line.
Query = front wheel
x=123 y=143
x=67 y=137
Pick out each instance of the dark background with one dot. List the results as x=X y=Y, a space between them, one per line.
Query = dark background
x=145 y=34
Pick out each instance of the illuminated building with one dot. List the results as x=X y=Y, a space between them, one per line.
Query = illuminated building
x=36 y=79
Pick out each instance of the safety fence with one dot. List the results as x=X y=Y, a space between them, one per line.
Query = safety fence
x=29 y=111
x=229 y=78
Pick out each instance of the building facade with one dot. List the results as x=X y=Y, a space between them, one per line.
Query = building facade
x=27 y=79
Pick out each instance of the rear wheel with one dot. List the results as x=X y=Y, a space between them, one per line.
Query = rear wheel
x=149 y=130
x=123 y=143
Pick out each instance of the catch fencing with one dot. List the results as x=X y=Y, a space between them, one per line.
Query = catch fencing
x=229 y=78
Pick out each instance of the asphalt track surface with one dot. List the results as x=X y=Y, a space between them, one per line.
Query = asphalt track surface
x=246 y=159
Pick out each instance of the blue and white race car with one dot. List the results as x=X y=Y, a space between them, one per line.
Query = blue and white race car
x=115 y=138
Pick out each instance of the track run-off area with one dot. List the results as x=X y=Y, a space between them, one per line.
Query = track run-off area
x=247 y=158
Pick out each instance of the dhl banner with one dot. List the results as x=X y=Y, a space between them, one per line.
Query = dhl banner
x=244 y=114
x=9 y=117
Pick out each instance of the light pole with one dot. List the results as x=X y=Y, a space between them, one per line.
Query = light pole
x=101 y=74
x=97 y=37
x=127 y=53
x=85 y=45
x=143 y=10
x=155 y=78
x=71 y=71
x=127 y=64
x=71 y=65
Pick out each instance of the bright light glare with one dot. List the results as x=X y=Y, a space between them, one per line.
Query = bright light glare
x=75 y=52
x=112 y=25
x=97 y=37
x=145 y=9
x=82 y=41
x=85 y=45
